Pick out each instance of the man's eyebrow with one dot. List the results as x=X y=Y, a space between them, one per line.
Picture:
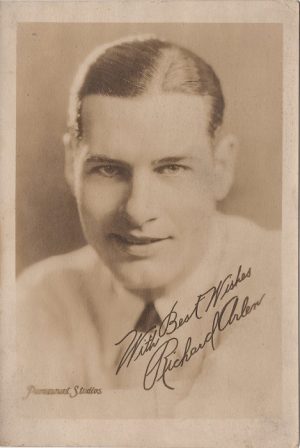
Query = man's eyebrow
x=171 y=160
x=100 y=158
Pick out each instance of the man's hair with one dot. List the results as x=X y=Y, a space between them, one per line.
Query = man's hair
x=143 y=65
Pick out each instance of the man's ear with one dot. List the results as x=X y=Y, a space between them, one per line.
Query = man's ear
x=70 y=145
x=225 y=153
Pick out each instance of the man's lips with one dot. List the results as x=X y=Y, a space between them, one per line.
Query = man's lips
x=129 y=239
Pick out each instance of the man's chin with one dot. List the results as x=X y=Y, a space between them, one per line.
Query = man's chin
x=143 y=277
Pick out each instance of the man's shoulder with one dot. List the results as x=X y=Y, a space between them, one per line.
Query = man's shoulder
x=246 y=230
x=53 y=316
x=58 y=270
x=252 y=247
x=247 y=239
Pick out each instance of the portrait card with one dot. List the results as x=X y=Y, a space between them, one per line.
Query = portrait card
x=149 y=215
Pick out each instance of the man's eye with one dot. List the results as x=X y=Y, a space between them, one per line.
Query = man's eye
x=171 y=169
x=108 y=170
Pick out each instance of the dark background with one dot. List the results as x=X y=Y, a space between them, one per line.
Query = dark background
x=248 y=61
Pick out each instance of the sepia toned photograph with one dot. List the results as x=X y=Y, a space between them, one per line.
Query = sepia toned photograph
x=151 y=252
x=151 y=233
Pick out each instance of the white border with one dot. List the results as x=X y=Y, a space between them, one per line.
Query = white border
x=169 y=433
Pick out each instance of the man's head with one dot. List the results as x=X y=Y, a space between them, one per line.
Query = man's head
x=143 y=66
x=142 y=161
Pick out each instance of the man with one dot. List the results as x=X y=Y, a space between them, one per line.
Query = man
x=172 y=308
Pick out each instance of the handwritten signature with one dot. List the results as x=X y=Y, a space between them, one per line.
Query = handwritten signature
x=163 y=359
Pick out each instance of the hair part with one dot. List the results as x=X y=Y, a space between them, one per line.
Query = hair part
x=144 y=65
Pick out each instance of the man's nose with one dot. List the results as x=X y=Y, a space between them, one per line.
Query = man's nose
x=139 y=204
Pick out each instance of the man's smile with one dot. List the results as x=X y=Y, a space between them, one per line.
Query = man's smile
x=140 y=246
x=131 y=239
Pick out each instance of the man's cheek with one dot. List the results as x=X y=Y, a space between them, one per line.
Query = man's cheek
x=95 y=219
x=195 y=207
x=95 y=205
x=100 y=200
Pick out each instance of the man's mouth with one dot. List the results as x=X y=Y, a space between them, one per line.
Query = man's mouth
x=129 y=239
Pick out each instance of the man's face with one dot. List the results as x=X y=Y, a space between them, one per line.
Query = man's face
x=144 y=185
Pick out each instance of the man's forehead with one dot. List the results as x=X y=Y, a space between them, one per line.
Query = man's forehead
x=166 y=110
x=146 y=129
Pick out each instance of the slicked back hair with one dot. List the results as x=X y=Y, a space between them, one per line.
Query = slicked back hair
x=144 y=65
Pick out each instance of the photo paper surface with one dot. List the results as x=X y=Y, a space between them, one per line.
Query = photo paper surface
x=150 y=224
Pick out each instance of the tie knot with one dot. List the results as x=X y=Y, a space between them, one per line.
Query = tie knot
x=148 y=319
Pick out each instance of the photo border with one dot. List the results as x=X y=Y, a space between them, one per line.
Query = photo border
x=168 y=433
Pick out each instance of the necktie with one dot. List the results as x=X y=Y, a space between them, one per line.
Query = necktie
x=148 y=319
